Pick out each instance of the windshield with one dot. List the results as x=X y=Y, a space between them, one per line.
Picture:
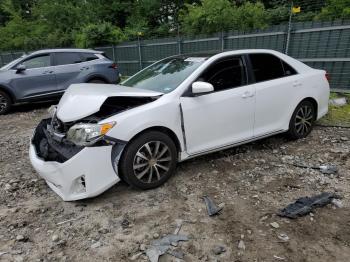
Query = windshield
x=166 y=75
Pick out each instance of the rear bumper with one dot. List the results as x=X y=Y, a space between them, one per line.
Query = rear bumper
x=86 y=174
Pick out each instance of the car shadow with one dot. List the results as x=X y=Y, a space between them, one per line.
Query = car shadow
x=26 y=107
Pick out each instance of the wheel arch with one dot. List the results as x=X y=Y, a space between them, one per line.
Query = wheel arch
x=164 y=130
x=8 y=92
x=97 y=77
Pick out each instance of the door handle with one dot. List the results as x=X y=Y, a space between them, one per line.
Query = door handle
x=247 y=94
x=296 y=83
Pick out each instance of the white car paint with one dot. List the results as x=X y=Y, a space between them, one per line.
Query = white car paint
x=201 y=124
x=81 y=100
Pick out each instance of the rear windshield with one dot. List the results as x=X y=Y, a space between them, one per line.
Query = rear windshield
x=166 y=75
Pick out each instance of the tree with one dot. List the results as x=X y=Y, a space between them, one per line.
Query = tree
x=250 y=16
x=100 y=34
x=212 y=16
x=209 y=16
x=335 y=9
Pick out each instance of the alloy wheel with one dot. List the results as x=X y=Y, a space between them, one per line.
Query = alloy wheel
x=3 y=103
x=152 y=161
x=303 y=120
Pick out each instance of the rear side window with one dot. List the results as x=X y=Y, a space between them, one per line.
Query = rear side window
x=88 y=57
x=225 y=74
x=67 y=58
x=267 y=67
x=288 y=70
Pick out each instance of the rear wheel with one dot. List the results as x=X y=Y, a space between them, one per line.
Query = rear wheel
x=97 y=81
x=302 y=120
x=5 y=103
x=149 y=160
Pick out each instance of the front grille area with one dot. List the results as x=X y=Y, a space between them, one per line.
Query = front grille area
x=48 y=148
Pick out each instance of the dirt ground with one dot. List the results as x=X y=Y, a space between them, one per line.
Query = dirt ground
x=253 y=182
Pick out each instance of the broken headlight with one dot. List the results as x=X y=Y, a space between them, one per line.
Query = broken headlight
x=52 y=110
x=88 y=134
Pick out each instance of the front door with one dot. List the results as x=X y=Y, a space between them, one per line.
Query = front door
x=38 y=79
x=223 y=117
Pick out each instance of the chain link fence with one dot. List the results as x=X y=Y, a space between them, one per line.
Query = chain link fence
x=323 y=45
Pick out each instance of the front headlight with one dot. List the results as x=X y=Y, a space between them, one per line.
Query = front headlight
x=88 y=134
x=52 y=110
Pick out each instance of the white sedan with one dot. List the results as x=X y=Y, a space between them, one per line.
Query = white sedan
x=178 y=108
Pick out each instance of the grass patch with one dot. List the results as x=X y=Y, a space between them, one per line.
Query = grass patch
x=337 y=115
x=123 y=78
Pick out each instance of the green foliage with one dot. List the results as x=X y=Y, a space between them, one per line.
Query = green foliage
x=221 y=15
x=335 y=9
x=209 y=17
x=99 y=35
x=279 y=14
x=250 y=16
x=35 y=24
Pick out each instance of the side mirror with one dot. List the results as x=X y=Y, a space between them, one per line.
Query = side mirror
x=202 y=87
x=20 y=68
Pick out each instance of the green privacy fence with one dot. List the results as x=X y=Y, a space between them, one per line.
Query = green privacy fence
x=324 y=45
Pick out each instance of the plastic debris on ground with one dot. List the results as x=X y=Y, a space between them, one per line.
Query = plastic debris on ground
x=341 y=101
x=212 y=208
x=324 y=169
x=305 y=205
x=163 y=245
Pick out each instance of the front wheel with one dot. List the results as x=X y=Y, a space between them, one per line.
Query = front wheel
x=149 y=160
x=302 y=120
x=5 y=103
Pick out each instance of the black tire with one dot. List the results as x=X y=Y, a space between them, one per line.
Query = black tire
x=5 y=103
x=97 y=81
x=302 y=121
x=161 y=165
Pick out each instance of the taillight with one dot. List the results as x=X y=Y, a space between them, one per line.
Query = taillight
x=327 y=76
x=114 y=66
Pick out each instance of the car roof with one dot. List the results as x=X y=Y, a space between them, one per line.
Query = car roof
x=209 y=54
x=66 y=50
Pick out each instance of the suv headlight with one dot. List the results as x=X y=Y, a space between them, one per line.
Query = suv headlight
x=88 y=134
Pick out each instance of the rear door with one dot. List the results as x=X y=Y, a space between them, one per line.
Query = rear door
x=223 y=117
x=38 y=79
x=277 y=85
x=70 y=68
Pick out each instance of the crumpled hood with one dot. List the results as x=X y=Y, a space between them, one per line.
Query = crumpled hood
x=82 y=100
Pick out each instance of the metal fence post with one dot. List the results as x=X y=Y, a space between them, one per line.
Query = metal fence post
x=289 y=29
x=113 y=53
x=1 y=60
x=139 y=48
x=179 y=40
x=179 y=45
x=222 y=41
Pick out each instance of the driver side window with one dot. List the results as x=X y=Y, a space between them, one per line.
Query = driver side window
x=225 y=74
x=37 y=62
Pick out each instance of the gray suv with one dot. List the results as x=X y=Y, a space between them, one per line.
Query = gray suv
x=45 y=74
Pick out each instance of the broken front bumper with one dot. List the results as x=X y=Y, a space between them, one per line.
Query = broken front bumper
x=87 y=173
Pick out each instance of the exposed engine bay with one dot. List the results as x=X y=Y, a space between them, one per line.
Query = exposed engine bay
x=50 y=138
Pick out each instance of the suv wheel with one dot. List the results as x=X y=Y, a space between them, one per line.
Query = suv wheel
x=5 y=103
x=149 y=160
x=97 y=81
x=302 y=120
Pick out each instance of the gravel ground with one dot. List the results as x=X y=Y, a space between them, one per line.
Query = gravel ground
x=252 y=182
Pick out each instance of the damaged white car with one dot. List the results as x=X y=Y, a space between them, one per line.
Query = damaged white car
x=178 y=108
